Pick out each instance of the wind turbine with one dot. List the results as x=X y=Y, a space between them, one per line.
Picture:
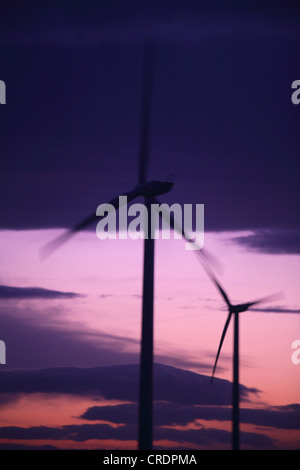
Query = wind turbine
x=234 y=309
x=148 y=190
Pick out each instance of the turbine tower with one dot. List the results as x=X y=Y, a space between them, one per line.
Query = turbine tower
x=149 y=190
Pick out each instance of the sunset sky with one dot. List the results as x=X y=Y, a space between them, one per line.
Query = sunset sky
x=224 y=128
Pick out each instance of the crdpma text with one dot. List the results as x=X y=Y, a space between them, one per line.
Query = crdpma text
x=138 y=227
x=152 y=459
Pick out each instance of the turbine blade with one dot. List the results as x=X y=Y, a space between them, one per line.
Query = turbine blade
x=218 y=285
x=203 y=257
x=221 y=342
x=50 y=247
x=206 y=256
x=212 y=260
x=269 y=298
x=147 y=90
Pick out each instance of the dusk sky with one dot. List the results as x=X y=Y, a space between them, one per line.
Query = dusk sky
x=223 y=127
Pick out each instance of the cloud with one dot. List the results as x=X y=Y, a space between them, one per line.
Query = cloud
x=181 y=398
x=166 y=415
x=279 y=242
x=10 y=292
x=214 y=437
x=293 y=311
x=6 y=398
x=39 y=338
x=26 y=447
x=85 y=432
x=63 y=26
x=290 y=407
x=178 y=360
x=283 y=417
x=63 y=187
x=122 y=383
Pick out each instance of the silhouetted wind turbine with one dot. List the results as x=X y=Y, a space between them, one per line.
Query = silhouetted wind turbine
x=234 y=310
x=206 y=261
x=148 y=190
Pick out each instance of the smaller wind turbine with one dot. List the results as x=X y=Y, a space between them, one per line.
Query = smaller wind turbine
x=234 y=309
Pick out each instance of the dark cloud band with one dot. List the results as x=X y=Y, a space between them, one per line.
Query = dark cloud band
x=122 y=383
x=9 y=292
